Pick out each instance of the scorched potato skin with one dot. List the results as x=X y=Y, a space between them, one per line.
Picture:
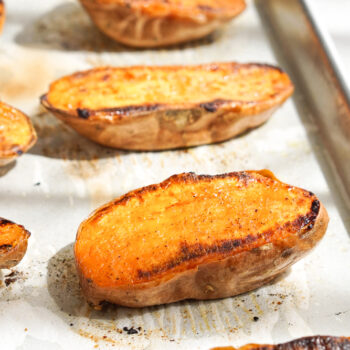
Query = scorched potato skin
x=317 y=342
x=196 y=237
x=17 y=134
x=158 y=23
x=13 y=243
x=156 y=108
x=2 y=15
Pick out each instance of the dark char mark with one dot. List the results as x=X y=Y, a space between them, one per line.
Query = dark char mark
x=4 y=222
x=132 y=109
x=83 y=113
x=315 y=207
x=316 y=343
x=210 y=106
x=189 y=252
x=5 y=246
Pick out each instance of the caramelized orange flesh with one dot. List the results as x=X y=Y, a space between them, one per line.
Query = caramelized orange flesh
x=141 y=86
x=13 y=243
x=183 y=8
x=186 y=221
x=16 y=132
x=2 y=14
x=11 y=234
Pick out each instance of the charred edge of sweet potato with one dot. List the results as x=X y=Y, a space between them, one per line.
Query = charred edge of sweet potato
x=243 y=176
x=189 y=177
x=314 y=342
x=317 y=342
x=5 y=222
x=191 y=252
x=210 y=106
x=5 y=247
x=85 y=113
x=194 y=251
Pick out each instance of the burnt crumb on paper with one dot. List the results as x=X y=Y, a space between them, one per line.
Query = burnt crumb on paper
x=11 y=278
x=341 y=312
x=132 y=330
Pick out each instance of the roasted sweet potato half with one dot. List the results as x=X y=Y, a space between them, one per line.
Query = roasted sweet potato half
x=13 y=243
x=154 y=23
x=17 y=134
x=317 y=342
x=2 y=14
x=196 y=237
x=154 y=108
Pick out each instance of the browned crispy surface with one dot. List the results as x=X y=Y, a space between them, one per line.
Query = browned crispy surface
x=13 y=243
x=308 y=343
x=199 y=237
x=2 y=14
x=17 y=134
x=147 y=108
x=155 y=23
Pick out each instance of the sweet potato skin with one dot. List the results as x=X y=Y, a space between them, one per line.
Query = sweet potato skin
x=2 y=15
x=14 y=246
x=159 y=126
x=226 y=276
x=17 y=134
x=157 y=23
x=317 y=342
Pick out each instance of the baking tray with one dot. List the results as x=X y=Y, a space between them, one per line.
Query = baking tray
x=64 y=177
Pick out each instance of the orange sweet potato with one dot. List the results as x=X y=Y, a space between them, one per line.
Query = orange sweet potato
x=17 y=134
x=2 y=14
x=154 y=23
x=13 y=243
x=317 y=342
x=196 y=237
x=153 y=108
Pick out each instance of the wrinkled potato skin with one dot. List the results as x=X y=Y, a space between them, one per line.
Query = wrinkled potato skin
x=134 y=27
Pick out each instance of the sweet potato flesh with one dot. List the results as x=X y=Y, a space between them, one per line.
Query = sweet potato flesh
x=13 y=243
x=141 y=86
x=16 y=131
x=185 y=221
x=11 y=234
x=2 y=14
x=181 y=8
